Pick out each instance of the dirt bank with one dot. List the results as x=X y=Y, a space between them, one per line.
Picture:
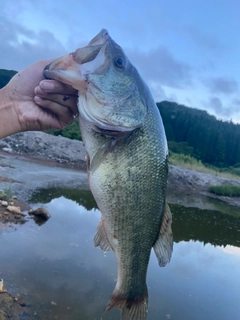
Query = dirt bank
x=40 y=145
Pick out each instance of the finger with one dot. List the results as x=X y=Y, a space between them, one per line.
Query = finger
x=55 y=86
x=63 y=113
x=66 y=100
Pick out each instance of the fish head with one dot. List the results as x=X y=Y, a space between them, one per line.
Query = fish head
x=110 y=88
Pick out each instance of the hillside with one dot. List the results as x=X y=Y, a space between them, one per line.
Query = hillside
x=5 y=76
x=198 y=134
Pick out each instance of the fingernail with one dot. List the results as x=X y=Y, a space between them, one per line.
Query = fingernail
x=37 y=99
x=46 y=85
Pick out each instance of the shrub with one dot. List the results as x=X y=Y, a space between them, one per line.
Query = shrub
x=183 y=159
x=71 y=132
x=225 y=190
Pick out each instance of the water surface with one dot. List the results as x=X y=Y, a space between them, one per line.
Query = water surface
x=62 y=276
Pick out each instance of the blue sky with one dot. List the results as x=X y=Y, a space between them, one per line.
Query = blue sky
x=186 y=51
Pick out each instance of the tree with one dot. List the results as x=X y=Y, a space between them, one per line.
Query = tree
x=5 y=76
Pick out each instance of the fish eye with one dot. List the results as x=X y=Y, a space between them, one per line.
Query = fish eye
x=119 y=62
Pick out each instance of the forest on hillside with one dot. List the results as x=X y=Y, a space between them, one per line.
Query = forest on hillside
x=189 y=131
x=5 y=76
x=198 y=134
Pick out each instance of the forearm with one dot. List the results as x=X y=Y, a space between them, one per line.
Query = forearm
x=9 y=123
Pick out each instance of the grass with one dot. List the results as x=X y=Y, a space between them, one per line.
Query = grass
x=191 y=163
x=184 y=160
x=6 y=194
x=225 y=190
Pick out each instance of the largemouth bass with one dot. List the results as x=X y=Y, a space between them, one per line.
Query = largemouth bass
x=127 y=159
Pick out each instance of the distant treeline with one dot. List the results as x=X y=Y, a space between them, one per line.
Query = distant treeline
x=189 y=131
x=5 y=76
x=198 y=134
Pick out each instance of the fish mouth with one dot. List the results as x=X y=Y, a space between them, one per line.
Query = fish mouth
x=86 y=70
x=73 y=69
x=66 y=70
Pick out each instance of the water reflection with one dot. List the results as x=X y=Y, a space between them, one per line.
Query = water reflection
x=82 y=197
x=208 y=226
x=63 y=276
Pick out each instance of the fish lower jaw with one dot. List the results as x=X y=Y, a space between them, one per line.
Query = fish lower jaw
x=102 y=126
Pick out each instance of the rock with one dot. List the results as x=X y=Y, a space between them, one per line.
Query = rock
x=2 y=287
x=13 y=209
x=40 y=213
x=10 y=308
x=4 y=144
x=4 y=203
x=59 y=149
x=9 y=150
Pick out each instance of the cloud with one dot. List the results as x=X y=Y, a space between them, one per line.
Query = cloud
x=223 y=109
x=19 y=46
x=222 y=85
x=203 y=40
x=159 y=65
x=157 y=91
x=236 y=102
x=216 y=104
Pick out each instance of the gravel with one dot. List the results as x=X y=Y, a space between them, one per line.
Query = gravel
x=47 y=146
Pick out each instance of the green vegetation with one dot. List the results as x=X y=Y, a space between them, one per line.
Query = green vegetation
x=71 y=132
x=6 y=194
x=192 y=163
x=197 y=134
x=184 y=160
x=5 y=76
x=225 y=190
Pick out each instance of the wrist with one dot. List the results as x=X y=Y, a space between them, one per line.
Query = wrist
x=9 y=122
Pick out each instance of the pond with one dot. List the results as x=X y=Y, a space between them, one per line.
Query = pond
x=62 y=276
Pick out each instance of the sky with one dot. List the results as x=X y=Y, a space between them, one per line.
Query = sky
x=187 y=51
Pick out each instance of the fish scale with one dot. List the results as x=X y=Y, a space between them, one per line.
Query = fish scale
x=135 y=199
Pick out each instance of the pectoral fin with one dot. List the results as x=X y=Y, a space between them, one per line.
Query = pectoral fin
x=101 y=154
x=163 y=247
x=100 y=238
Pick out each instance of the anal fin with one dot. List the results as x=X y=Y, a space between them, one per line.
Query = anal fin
x=163 y=246
x=100 y=238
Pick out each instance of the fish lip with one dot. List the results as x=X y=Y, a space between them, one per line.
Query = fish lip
x=65 y=69
x=101 y=38
x=59 y=69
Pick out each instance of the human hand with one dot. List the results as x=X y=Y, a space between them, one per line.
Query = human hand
x=41 y=104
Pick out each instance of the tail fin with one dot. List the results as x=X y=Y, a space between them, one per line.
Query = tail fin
x=132 y=309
